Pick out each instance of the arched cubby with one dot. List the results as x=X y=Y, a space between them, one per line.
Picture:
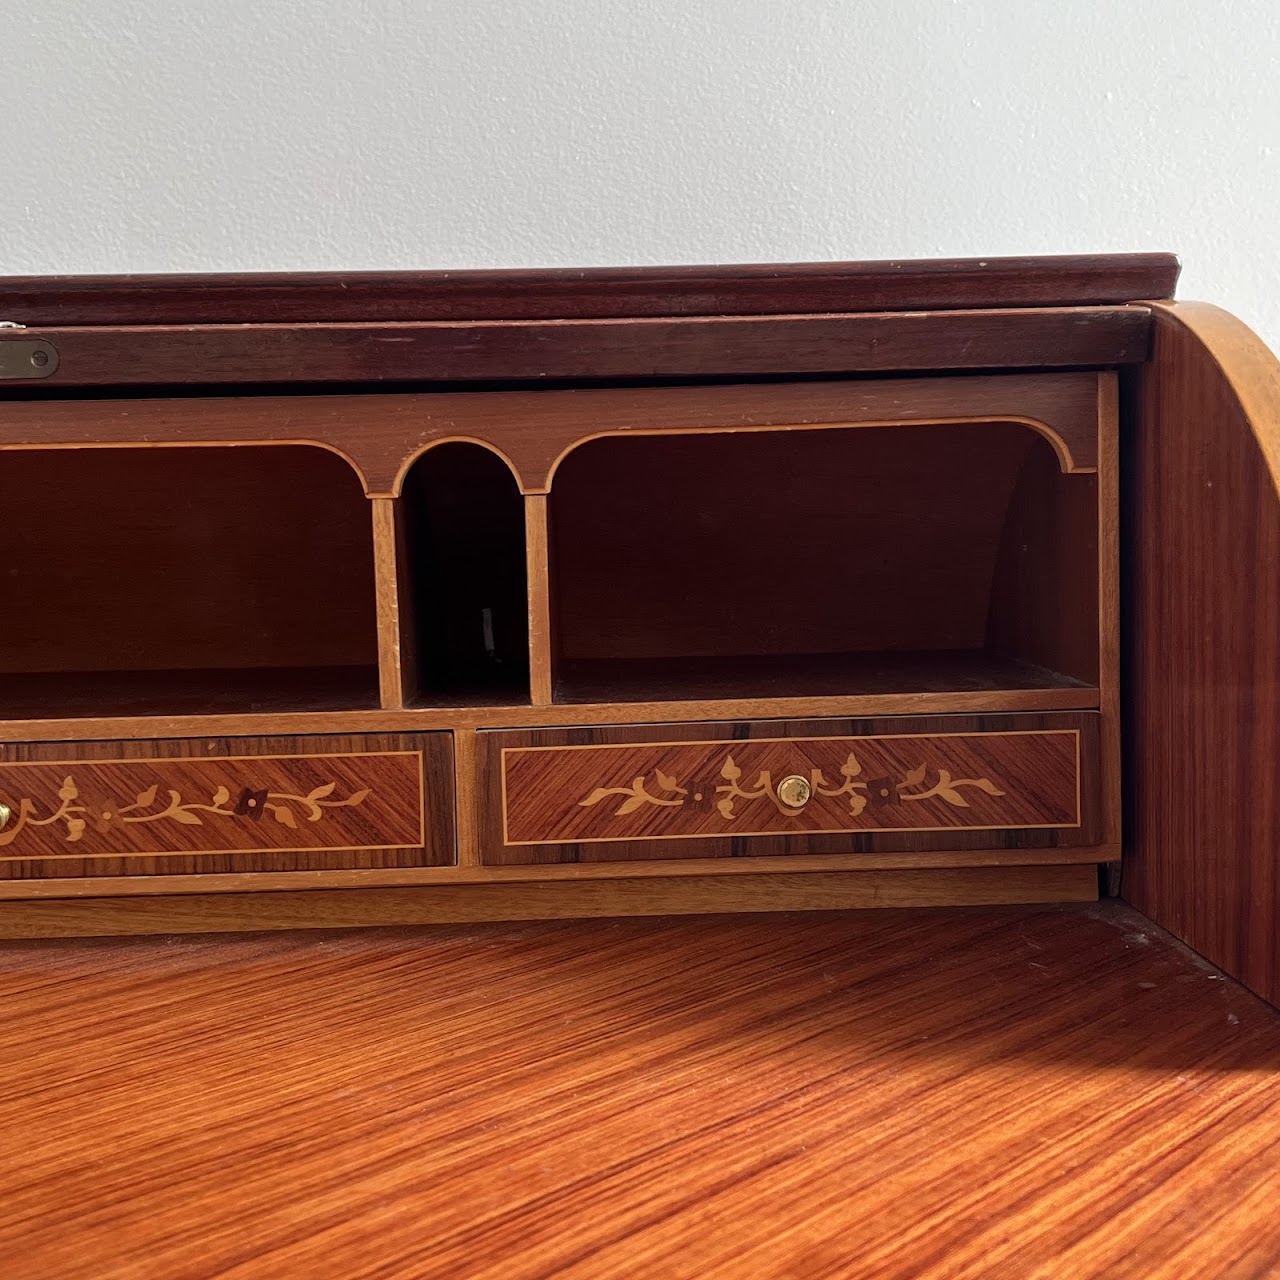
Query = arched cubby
x=918 y=559
x=171 y=581
x=463 y=532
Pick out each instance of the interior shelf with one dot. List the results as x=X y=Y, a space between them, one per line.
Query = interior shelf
x=184 y=581
x=840 y=561
x=240 y=691
x=812 y=676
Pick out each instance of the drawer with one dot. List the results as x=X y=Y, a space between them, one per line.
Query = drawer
x=769 y=787
x=226 y=805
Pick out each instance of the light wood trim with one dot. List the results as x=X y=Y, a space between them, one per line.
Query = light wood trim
x=397 y=658
x=423 y=719
x=1061 y=448
x=537 y=553
x=468 y=873
x=321 y=909
x=466 y=797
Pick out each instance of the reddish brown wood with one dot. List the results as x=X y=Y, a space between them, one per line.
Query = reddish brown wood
x=711 y=790
x=445 y=896
x=181 y=560
x=1203 y=756
x=922 y=674
x=807 y=543
x=397 y=639
x=226 y=805
x=495 y=351
x=1044 y=591
x=534 y=430
x=203 y=708
x=767 y=549
x=781 y=289
x=197 y=700
x=925 y=1094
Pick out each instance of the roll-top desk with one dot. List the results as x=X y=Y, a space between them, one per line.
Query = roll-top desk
x=333 y=600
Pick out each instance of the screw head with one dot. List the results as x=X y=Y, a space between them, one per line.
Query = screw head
x=39 y=359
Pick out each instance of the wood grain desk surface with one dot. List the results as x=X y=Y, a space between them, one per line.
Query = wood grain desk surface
x=1012 y=1092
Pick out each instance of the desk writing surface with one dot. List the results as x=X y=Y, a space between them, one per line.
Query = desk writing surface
x=960 y=1092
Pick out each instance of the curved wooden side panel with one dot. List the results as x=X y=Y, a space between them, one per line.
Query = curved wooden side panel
x=1202 y=581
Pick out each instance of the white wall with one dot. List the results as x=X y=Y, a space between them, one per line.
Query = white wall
x=166 y=135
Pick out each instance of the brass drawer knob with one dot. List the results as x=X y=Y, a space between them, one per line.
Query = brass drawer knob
x=794 y=791
x=5 y=814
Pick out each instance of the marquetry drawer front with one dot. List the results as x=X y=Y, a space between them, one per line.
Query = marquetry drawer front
x=702 y=790
x=226 y=805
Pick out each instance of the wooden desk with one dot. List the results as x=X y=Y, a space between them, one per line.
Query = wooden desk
x=967 y=1092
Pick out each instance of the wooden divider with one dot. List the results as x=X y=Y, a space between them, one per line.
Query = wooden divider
x=397 y=655
x=536 y=548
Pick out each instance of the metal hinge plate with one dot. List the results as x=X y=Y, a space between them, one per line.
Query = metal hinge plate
x=27 y=358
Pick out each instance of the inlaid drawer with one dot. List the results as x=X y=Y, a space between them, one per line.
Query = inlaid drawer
x=719 y=790
x=210 y=805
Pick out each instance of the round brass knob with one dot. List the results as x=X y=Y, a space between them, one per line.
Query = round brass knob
x=794 y=791
x=5 y=814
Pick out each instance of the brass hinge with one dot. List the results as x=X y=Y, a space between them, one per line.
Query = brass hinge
x=25 y=357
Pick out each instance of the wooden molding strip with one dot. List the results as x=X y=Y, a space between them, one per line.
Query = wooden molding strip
x=470 y=871
x=383 y=435
x=422 y=718
x=787 y=288
x=345 y=909
x=532 y=350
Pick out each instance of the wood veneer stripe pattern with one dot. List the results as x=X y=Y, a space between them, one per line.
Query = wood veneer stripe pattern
x=960 y=1094
x=220 y=806
x=548 y=802
x=1203 y=749
x=544 y=786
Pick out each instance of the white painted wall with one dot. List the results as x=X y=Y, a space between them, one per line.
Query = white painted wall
x=167 y=135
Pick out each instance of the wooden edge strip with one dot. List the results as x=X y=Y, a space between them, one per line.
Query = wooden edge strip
x=467 y=783
x=1109 y=603
x=581 y=350
x=397 y=659
x=424 y=718
x=470 y=870
x=451 y=904
x=537 y=552
x=793 y=288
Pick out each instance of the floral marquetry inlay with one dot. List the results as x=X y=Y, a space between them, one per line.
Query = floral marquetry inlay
x=771 y=794
x=76 y=815
x=666 y=792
